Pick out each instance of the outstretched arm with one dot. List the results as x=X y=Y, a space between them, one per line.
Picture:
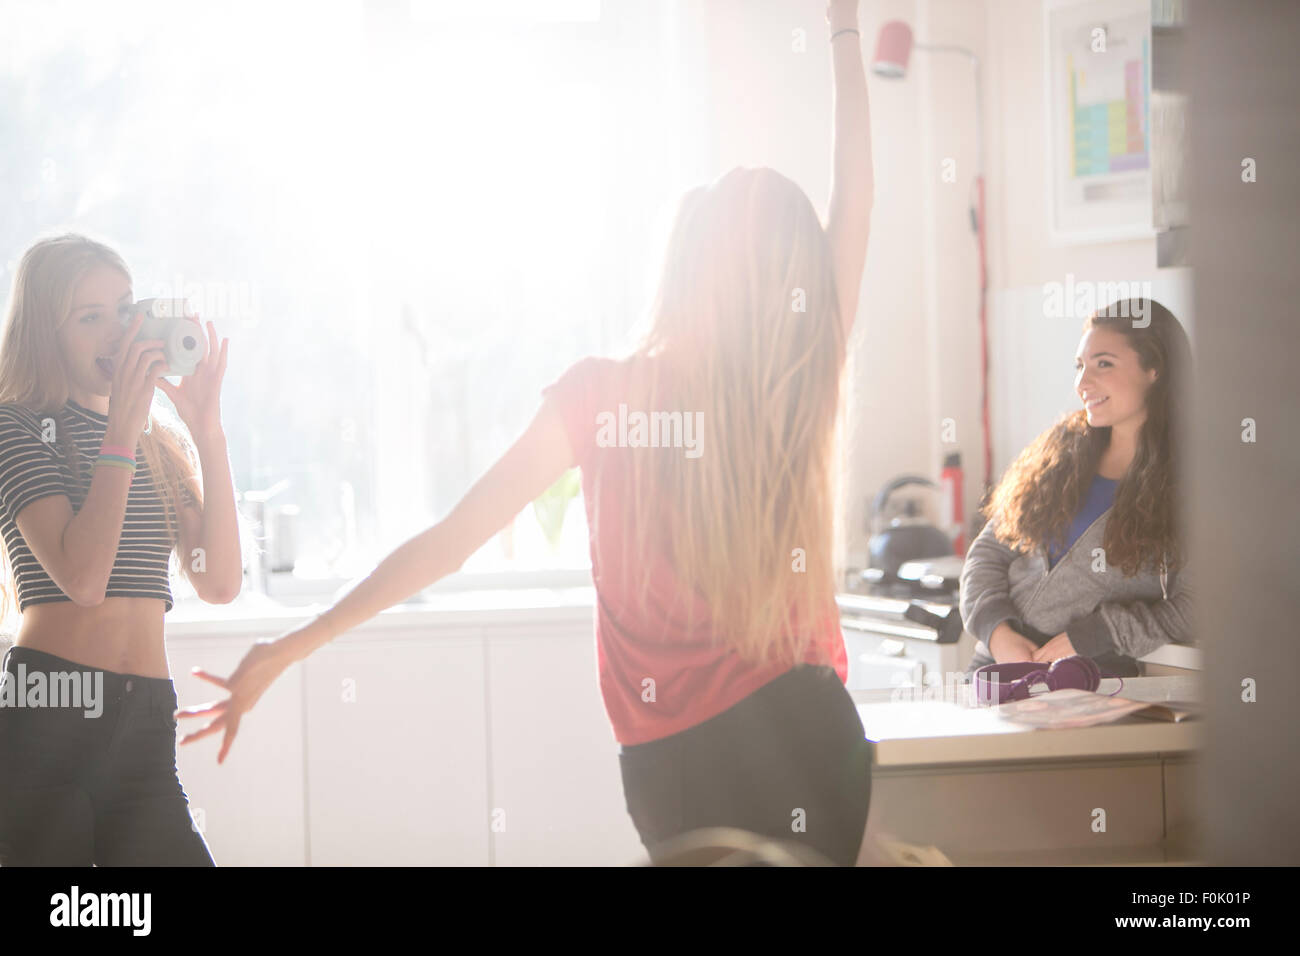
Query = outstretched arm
x=848 y=221
x=528 y=468
x=531 y=465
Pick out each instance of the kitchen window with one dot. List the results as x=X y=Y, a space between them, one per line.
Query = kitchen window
x=407 y=219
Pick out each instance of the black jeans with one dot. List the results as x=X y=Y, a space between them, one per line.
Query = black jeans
x=90 y=777
x=790 y=761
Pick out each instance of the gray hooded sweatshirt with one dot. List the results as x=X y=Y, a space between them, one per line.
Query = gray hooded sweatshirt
x=1107 y=615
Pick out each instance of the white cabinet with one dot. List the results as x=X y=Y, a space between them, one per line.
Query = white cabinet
x=556 y=790
x=396 y=751
x=462 y=737
x=250 y=808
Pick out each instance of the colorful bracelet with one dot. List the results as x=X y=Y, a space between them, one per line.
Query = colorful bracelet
x=118 y=456
x=117 y=461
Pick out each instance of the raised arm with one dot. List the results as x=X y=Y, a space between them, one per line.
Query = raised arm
x=212 y=528
x=848 y=218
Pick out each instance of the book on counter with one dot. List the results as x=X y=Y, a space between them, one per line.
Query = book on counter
x=1081 y=708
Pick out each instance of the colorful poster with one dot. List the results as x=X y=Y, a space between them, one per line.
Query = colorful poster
x=1099 y=119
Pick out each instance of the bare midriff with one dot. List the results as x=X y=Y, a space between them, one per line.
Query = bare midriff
x=120 y=634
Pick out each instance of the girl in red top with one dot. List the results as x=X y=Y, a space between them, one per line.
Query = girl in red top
x=708 y=462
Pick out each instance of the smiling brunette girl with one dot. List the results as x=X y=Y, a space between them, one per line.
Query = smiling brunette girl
x=1083 y=552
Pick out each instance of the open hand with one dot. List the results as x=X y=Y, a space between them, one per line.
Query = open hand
x=198 y=397
x=263 y=663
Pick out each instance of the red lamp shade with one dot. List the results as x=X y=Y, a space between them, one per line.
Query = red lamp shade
x=893 y=49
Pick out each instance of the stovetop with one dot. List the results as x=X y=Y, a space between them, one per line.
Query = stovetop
x=902 y=609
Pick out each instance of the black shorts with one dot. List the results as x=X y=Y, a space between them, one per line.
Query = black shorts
x=89 y=777
x=790 y=762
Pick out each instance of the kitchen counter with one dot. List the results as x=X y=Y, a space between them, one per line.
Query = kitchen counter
x=982 y=789
x=922 y=732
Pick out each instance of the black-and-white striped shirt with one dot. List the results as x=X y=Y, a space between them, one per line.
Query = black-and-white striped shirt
x=33 y=465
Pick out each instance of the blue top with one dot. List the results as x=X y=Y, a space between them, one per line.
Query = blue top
x=1099 y=497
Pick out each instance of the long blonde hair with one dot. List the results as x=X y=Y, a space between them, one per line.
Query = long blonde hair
x=32 y=374
x=745 y=328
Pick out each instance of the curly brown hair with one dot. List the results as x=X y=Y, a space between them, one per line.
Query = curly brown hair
x=1040 y=493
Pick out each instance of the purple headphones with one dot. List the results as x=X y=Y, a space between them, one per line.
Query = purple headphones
x=999 y=683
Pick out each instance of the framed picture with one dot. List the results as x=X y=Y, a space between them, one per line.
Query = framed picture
x=1098 y=102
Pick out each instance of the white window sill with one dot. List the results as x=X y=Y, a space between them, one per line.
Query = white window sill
x=460 y=600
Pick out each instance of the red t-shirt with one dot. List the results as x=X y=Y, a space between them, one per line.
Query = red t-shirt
x=692 y=679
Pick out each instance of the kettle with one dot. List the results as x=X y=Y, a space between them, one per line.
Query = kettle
x=907 y=537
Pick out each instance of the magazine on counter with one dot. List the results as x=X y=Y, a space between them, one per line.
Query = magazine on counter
x=1081 y=708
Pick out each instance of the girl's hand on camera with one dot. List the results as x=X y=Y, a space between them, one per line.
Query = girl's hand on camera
x=198 y=397
x=137 y=367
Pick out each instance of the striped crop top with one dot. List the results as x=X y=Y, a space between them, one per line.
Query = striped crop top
x=33 y=465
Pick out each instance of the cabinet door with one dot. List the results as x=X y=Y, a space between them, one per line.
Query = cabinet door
x=250 y=808
x=992 y=811
x=880 y=661
x=397 y=766
x=557 y=795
